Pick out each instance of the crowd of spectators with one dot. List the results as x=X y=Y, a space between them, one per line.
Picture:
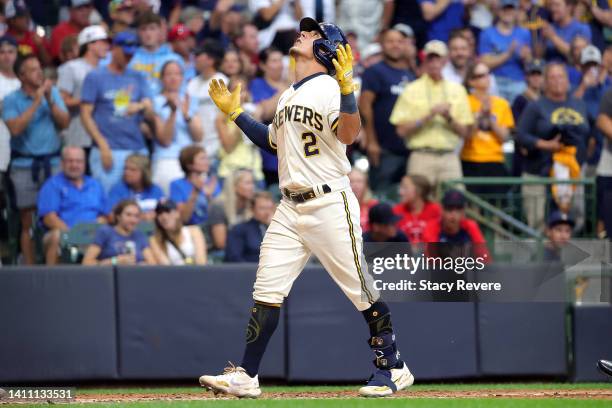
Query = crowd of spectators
x=106 y=117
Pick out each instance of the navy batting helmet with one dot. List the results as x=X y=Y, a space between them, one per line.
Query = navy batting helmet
x=324 y=49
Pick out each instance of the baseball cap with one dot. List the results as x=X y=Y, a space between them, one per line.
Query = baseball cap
x=127 y=40
x=453 y=199
x=509 y=3
x=590 y=53
x=91 y=34
x=382 y=213
x=558 y=217
x=370 y=50
x=405 y=29
x=80 y=3
x=165 y=206
x=535 y=65
x=310 y=24
x=179 y=32
x=436 y=47
x=15 y=8
x=8 y=39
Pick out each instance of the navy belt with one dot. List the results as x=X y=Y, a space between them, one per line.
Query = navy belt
x=304 y=195
x=42 y=161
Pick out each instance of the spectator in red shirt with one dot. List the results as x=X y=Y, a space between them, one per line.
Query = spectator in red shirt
x=460 y=235
x=79 y=19
x=359 y=185
x=416 y=209
x=18 y=21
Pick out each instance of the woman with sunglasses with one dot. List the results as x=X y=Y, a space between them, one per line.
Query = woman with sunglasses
x=482 y=154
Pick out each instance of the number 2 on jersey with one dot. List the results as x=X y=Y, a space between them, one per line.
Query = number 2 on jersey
x=310 y=144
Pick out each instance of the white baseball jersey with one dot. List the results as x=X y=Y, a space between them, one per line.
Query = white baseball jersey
x=304 y=133
x=309 y=154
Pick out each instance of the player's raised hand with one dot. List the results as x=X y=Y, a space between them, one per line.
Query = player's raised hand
x=228 y=102
x=344 y=68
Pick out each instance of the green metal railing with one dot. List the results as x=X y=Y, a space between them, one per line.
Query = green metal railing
x=503 y=214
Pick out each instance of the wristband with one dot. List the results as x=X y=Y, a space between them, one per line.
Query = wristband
x=348 y=103
x=233 y=115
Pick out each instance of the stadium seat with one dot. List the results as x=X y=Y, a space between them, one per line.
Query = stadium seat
x=74 y=242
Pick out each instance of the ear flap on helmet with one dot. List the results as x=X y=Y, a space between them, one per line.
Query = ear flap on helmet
x=324 y=52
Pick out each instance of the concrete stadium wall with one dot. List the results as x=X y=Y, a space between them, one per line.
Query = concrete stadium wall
x=71 y=323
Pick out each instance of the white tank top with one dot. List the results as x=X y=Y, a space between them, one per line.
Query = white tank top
x=186 y=246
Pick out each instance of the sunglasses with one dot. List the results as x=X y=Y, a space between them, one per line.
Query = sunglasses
x=480 y=75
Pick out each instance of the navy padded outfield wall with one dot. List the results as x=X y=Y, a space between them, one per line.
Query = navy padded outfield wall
x=328 y=336
x=71 y=323
x=184 y=322
x=57 y=324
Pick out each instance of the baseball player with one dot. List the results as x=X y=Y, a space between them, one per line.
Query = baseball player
x=315 y=119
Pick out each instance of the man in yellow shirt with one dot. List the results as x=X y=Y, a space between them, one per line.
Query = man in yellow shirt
x=433 y=115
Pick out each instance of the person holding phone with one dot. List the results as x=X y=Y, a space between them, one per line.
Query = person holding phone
x=121 y=244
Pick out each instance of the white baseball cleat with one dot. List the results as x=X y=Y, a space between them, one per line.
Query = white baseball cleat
x=386 y=382
x=234 y=381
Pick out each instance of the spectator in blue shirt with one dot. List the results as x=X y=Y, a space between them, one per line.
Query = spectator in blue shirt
x=151 y=56
x=244 y=239
x=382 y=83
x=193 y=193
x=594 y=83
x=265 y=91
x=442 y=16
x=136 y=185
x=33 y=115
x=177 y=125
x=122 y=243
x=69 y=198
x=505 y=48
x=114 y=100
x=562 y=31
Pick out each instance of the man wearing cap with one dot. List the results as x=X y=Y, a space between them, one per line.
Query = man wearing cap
x=18 y=21
x=559 y=232
x=454 y=228
x=505 y=48
x=594 y=82
x=382 y=225
x=8 y=83
x=208 y=58
x=433 y=115
x=183 y=43
x=151 y=56
x=114 y=101
x=93 y=47
x=80 y=11
x=381 y=86
x=534 y=79
x=33 y=114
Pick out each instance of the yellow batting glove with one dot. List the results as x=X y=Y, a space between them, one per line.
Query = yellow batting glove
x=344 y=68
x=228 y=102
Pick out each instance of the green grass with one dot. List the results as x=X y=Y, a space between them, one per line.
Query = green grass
x=307 y=388
x=354 y=402
x=358 y=403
